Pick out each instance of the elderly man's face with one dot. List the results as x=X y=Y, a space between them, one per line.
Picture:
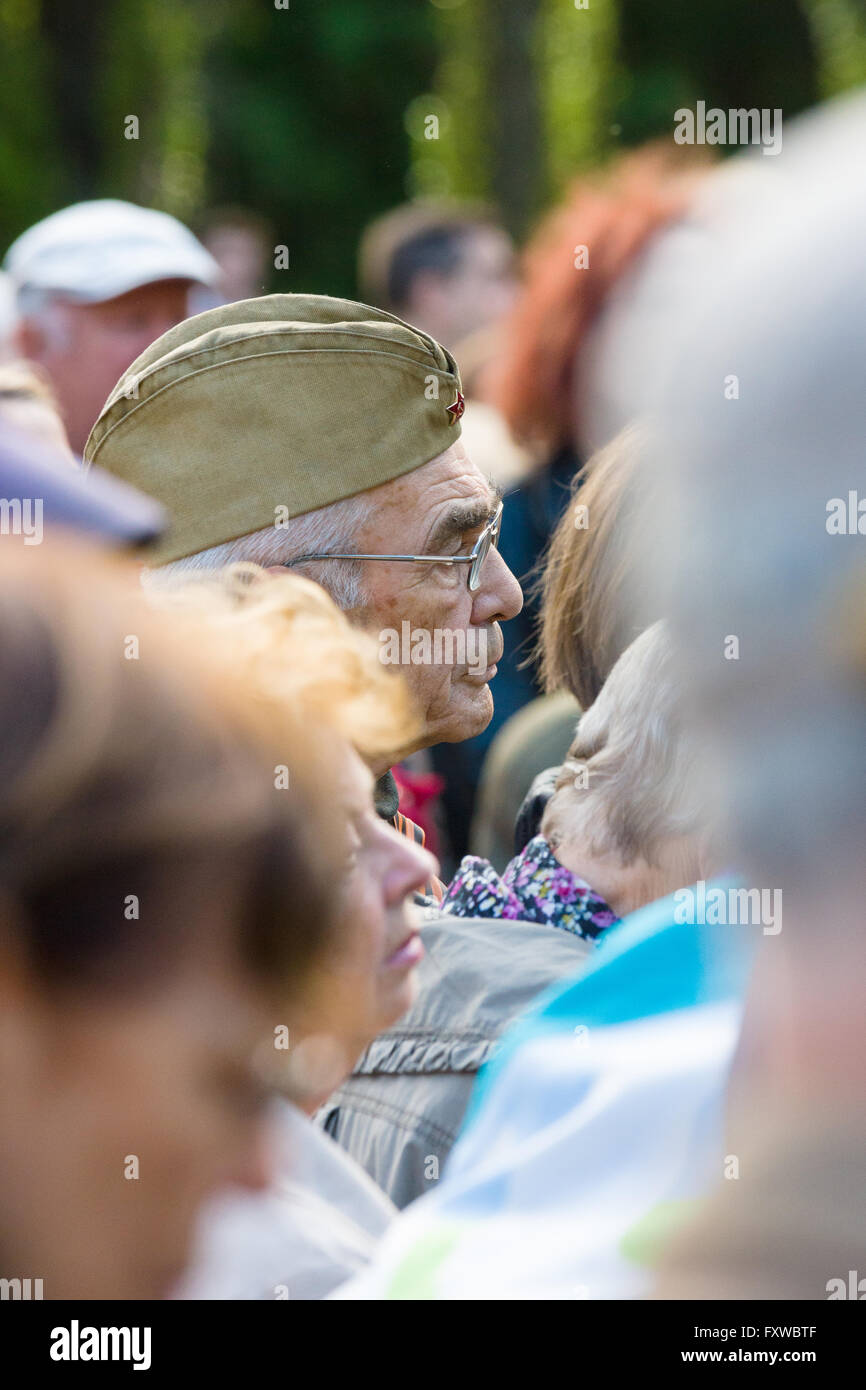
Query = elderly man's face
x=439 y=509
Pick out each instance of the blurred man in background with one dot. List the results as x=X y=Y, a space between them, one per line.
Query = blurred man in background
x=94 y=285
x=447 y=268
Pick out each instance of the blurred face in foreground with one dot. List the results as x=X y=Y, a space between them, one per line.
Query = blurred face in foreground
x=383 y=870
x=163 y=904
x=120 y=1111
x=372 y=983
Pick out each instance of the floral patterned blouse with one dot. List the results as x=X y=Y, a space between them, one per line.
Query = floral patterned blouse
x=534 y=888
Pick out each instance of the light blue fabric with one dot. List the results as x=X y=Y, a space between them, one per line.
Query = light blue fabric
x=648 y=964
x=595 y=1130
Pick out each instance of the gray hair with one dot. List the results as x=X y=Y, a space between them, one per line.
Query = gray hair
x=753 y=569
x=328 y=529
x=627 y=785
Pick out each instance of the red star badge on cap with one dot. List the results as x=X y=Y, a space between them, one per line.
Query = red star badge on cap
x=457 y=409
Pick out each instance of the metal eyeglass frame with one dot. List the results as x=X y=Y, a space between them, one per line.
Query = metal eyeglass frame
x=475 y=559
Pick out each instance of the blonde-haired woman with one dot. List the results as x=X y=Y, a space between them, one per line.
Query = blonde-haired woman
x=296 y=652
x=319 y=1223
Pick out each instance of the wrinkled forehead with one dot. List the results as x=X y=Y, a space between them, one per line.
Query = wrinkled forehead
x=450 y=478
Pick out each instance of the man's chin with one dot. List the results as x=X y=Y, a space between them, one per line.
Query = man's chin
x=473 y=712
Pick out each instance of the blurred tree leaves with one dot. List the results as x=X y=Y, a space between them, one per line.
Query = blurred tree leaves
x=839 y=27
x=152 y=68
x=582 y=77
x=295 y=113
x=317 y=115
x=28 y=165
x=307 y=126
x=537 y=90
x=739 y=54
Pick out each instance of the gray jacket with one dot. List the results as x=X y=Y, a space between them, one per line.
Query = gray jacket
x=399 y=1113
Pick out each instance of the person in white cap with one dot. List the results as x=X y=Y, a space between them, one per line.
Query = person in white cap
x=95 y=284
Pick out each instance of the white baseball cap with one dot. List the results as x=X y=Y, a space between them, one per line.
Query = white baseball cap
x=98 y=250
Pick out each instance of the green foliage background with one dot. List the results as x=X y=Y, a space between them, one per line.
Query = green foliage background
x=314 y=114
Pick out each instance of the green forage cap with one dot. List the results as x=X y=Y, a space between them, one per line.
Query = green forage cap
x=291 y=401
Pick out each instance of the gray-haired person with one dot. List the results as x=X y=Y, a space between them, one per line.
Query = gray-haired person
x=761 y=541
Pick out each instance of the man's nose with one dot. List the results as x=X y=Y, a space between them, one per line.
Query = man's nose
x=500 y=597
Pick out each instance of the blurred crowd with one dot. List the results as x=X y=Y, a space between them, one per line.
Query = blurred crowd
x=433 y=745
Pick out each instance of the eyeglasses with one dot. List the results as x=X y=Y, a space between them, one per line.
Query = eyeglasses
x=475 y=559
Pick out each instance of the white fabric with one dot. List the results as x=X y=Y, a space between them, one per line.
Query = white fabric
x=315 y=1227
